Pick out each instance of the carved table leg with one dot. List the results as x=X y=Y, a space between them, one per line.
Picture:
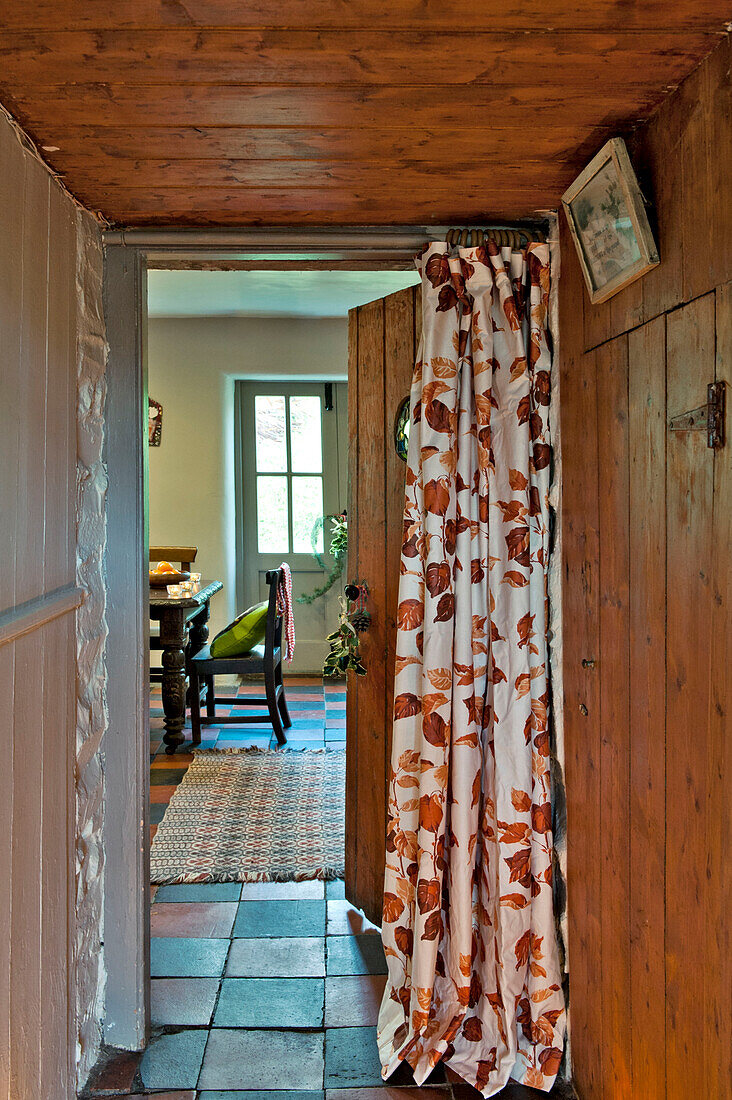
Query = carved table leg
x=173 y=640
x=198 y=635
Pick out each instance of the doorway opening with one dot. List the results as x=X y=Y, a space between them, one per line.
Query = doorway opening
x=234 y=963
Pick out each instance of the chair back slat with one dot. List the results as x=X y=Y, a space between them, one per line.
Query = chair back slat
x=273 y=628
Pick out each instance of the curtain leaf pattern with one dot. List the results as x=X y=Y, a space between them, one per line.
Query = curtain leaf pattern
x=468 y=924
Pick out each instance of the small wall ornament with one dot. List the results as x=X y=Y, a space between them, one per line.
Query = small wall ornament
x=609 y=224
x=154 y=422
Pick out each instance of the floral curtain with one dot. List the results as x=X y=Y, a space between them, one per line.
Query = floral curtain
x=468 y=924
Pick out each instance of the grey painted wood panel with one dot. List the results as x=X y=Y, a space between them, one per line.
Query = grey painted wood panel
x=37 y=605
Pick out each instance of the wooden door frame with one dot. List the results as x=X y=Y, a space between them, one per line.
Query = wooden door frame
x=128 y=254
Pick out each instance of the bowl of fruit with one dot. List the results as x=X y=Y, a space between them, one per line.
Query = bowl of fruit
x=164 y=573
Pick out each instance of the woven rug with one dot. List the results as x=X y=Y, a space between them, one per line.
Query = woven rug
x=254 y=815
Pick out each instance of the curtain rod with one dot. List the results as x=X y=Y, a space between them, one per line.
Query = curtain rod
x=515 y=238
x=242 y=242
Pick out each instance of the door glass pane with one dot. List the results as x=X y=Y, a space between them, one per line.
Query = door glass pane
x=305 y=443
x=272 y=530
x=307 y=508
x=269 y=421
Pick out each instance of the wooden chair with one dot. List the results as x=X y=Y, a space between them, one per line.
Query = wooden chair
x=266 y=659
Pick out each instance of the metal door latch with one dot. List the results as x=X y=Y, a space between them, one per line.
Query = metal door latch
x=709 y=417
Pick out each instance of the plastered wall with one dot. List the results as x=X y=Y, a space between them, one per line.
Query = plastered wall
x=192 y=366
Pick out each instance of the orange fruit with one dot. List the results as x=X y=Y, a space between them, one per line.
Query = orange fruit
x=164 y=567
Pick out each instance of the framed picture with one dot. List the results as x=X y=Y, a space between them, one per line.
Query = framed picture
x=609 y=224
x=154 y=422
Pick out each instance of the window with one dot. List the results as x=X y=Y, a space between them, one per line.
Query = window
x=288 y=457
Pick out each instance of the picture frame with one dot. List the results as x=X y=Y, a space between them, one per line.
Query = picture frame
x=154 y=422
x=609 y=225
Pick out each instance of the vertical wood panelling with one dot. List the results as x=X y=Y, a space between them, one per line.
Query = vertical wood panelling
x=647 y=576
x=398 y=368
x=689 y=490
x=649 y=952
x=12 y=180
x=28 y=715
x=381 y=361
x=718 y=995
x=60 y=386
x=372 y=569
x=37 y=669
x=352 y=762
x=580 y=539
x=613 y=469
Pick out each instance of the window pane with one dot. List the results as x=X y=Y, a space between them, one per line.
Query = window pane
x=307 y=500
x=305 y=445
x=269 y=419
x=272 y=532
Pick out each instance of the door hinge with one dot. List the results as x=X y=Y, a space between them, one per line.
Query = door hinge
x=709 y=417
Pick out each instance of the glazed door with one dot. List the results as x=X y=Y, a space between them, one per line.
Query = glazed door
x=382 y=345
x=292 y=444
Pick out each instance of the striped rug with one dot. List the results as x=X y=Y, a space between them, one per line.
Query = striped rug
x=254 y=815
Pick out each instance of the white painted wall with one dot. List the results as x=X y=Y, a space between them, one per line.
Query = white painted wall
x=192 y=366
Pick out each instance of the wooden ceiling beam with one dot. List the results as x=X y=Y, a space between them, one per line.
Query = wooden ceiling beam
x=431 y=106
x=476 y=15
x=170 y=56
x=146 y=175
x=83 y=146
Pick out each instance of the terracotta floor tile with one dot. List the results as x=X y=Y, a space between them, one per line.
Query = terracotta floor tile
x=116 y=1071
x=353 y=1000
x=198 y=919
x=162 y=795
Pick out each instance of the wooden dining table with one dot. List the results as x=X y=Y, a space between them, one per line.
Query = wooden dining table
x=183 y=630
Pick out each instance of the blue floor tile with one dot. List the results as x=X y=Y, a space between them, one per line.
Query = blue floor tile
x=257 y=919
x=173 y=1061
x=271 y=1002
x=157 y=810
x=199 y=891
x=352 y=1058
x=179 y=957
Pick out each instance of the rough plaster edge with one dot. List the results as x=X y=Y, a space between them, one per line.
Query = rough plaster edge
x=30 y=147
x=556 y=638
x=91 y=488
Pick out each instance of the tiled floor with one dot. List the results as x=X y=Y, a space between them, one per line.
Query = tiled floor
x=266 y=990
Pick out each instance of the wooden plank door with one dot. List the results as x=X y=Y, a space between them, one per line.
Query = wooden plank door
x=382 y=345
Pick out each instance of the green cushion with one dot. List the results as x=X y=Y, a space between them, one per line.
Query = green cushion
x=243 y=634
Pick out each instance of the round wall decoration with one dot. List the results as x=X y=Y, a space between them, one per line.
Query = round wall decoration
x=401 y=429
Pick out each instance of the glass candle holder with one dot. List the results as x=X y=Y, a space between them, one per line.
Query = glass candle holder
x=186 y=588
x=175 y=590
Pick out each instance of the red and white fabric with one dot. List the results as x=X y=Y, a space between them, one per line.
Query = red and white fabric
x=284 y=608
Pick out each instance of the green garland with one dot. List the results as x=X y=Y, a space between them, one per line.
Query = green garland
x=338 y=549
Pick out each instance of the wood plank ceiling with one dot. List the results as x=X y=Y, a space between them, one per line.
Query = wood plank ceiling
x=337 y=112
